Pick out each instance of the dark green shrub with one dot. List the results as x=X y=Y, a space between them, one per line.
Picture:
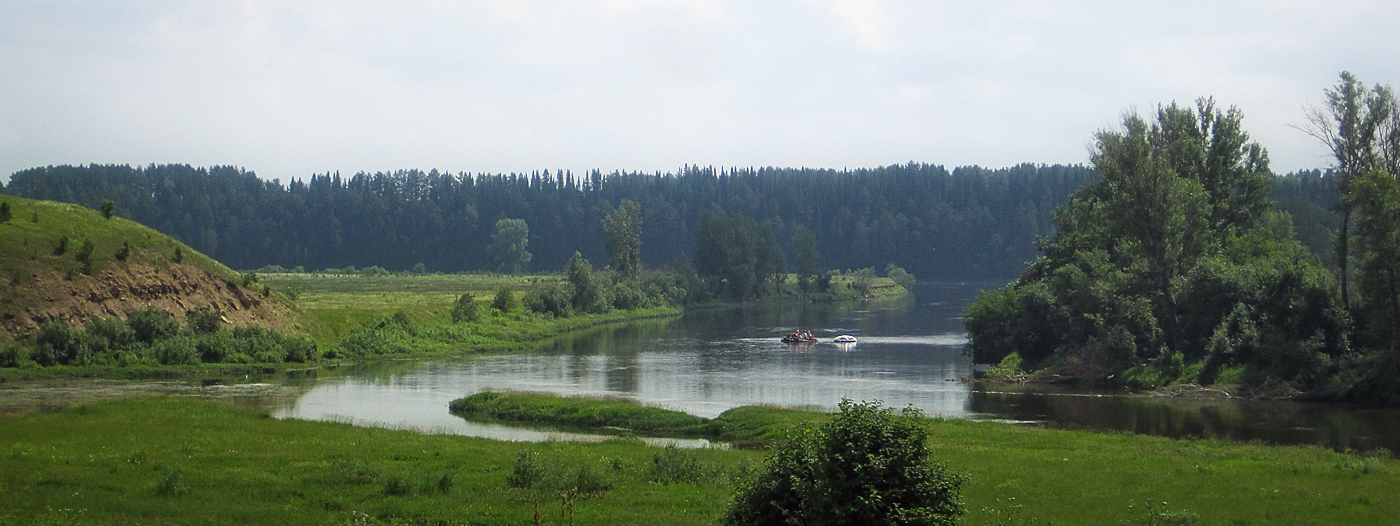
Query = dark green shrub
x=62 y=245
x=179 y=350
x=123 y=252
x=299 y=350
x=58 y=343
x=867 y=465
x=179 y=255
x=5 y=213
x=554 y=299
x=588 y=482
x=505 y=300
x=674 y=465
x=151 y=324
x=107 y=208
x=204 y=320
x=465 y=309
x=628 y=295
x=529 y=471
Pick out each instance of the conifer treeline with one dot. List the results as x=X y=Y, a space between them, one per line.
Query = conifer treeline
x=968 y=224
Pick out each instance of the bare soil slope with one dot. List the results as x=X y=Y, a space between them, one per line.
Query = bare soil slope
x=111 y=267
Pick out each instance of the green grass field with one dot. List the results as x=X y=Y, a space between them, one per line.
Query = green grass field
x=181 y=461
x=332 y=305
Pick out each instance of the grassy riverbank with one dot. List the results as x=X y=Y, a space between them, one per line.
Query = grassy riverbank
x=180 y=461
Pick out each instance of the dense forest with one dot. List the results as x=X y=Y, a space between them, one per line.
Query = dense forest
x=968 y=224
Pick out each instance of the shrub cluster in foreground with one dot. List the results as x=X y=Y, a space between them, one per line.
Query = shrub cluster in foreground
x=153 y=336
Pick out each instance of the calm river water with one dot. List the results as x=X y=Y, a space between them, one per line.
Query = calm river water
x=909 y=352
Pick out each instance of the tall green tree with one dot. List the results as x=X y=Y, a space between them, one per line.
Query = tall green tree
x=623 y=227
x=1352 y=125
x=804 y=243
x=507 y=246
x=1375 y=196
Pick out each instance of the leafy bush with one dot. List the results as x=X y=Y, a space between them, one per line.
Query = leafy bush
x=867 y=465
x=176 y=351
x=676 y=466
x=553 y=299
x=505 y=300
x=465 y=309
x=204 y=320
x=151 y=324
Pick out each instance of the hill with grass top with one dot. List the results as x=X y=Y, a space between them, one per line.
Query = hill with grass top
x=66 y=262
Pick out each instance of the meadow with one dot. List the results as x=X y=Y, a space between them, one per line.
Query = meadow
x=169 y=460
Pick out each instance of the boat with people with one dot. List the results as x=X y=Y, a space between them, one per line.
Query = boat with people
x=800 y=336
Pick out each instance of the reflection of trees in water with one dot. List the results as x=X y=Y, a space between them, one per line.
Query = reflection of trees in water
x=1281 y=422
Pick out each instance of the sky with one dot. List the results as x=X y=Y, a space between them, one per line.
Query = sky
x=289 y=89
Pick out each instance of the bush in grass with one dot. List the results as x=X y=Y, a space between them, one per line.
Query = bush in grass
x=505 y=300
x=465 y=309
x=674 y=465
x=867 y=465
x=554 y=299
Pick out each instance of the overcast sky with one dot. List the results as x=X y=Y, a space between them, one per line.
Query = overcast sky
x=291 y=88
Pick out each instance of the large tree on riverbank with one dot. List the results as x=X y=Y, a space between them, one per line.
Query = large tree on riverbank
x=1173 y=261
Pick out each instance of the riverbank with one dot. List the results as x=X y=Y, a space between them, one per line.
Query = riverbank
x=184 y=461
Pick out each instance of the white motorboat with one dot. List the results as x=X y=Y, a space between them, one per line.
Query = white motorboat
x=845 y=338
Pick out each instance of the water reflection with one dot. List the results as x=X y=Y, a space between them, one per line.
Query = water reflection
x=711 y=360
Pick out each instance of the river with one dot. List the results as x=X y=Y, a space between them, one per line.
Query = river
x=710 y=360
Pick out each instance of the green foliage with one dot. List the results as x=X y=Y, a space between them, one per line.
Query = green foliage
x=505 y=300
x=204 y=320
x=900 y=276
x=589 y=293
x=465 y=309
x=968 y=223
x=738 y=256
x=555 y=300
x=153 y=337
x=151 y=324
x=107 y=208
x=623 y=227
x=867 y=465
x=673 y=465
x=123 y=252
x=508 y=244
x=179 y=255
x=1173 y=267
x=84 y=255
x=5 y=213
x=62 y=246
